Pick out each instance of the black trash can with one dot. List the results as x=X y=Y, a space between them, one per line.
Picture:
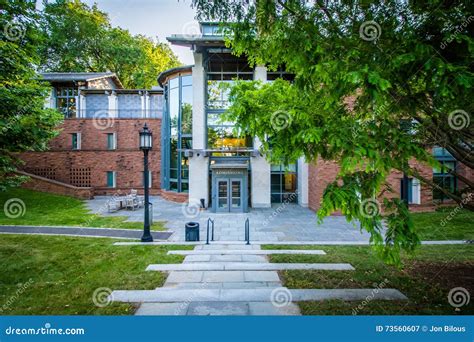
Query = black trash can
x=192 y=231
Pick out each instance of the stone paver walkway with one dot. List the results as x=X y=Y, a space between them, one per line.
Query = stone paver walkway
x=281 y=222
x=234 y=279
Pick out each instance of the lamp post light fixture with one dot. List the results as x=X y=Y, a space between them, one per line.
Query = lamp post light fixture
x=146 y=143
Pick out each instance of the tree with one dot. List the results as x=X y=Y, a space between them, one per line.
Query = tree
x=362 y=71
x=81 y=38
x=24 y=124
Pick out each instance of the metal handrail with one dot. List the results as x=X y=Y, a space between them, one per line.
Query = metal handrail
x=247 y=231
x=210 y=222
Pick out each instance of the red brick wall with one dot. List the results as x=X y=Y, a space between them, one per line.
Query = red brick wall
x=179 y=197
x=46 y=185
x=126 y=160
x=324 y=172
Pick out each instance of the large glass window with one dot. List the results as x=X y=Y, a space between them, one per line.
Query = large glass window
x=222 y=70
x=284 y=184
x=66 y=101
x=180 y=113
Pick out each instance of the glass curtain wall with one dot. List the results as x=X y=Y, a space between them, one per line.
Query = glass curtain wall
x=223 y=69
x=284 y=184
x=180 y=98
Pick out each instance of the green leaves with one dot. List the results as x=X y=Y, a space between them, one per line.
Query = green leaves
x=81 y=38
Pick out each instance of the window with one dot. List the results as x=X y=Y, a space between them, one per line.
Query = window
x=441 y=175
x=66 y=101
x=222 y=70
x=283 y=184
x=149 y=179
x=414 y=191
x=111 y=141
x=76 y=141
x=111 y=179
x=180 y=113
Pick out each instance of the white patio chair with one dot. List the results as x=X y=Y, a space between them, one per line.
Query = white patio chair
x=131 y=202
x=113 y=205
x=141 y=201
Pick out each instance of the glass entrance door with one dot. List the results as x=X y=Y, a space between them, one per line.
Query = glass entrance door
x=229 y=195
x=223 y=195
x=236 y=195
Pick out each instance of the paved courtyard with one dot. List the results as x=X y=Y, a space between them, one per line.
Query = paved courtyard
x=282 y=222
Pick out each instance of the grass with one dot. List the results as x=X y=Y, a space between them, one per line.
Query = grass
x=445 y=224
x=44 y=209
x=49 y=275
x=425 y=279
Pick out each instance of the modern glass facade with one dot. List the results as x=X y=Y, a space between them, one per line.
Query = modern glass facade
x=177 y=132
x=221 y=70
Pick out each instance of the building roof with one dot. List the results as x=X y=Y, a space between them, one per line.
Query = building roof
x=195 y=40
x=166 y=73
x=79 y=77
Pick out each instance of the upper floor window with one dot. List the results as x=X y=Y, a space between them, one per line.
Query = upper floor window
x=111 y=141
x=66 y=101
x=76 y=141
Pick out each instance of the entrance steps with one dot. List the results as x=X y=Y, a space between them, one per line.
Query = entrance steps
x=170 y=295
x=230 y=279
x=247 y=252
x=247 y=266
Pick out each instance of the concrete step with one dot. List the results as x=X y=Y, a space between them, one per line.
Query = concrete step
x=247 y=266
x=248 y=252
x=221 y=276
x=169 y=295
x=223 y=285
x=216 y=309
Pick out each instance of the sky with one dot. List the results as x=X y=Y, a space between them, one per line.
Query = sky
x=153 y=18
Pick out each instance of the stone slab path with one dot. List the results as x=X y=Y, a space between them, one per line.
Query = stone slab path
x=246 y=266
x=226 y=279
x=248 y=252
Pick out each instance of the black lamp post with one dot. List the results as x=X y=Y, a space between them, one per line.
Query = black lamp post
x=146 y=143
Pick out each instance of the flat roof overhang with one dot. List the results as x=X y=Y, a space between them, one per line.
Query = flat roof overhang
x=196 y=42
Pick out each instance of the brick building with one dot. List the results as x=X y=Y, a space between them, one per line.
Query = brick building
x=196 y=156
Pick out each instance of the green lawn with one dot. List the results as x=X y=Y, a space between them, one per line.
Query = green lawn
x=46 y=209
x=425 y=279
x=50 y=275
x=458 y=225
